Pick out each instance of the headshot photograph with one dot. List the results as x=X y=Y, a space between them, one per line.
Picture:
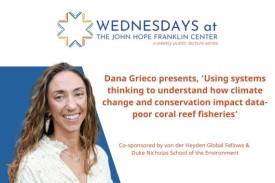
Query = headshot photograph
x=58 y=140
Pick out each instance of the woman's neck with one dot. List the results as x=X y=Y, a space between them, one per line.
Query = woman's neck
x=72 y=141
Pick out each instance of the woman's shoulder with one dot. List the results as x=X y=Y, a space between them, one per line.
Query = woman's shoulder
x=101 y=154
x=100 y=150
x=41 y=153
x=34 y=154
x=32 y=163
x=101 y=170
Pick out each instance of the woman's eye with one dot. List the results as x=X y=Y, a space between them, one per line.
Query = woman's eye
x=59 y=97
x=78 y=94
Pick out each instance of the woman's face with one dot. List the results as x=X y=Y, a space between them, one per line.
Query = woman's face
x=67 y=99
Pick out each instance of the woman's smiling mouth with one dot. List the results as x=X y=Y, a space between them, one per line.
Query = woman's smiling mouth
x=72 y=116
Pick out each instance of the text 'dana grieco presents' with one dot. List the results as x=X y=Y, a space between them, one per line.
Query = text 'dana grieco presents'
x=184 y=96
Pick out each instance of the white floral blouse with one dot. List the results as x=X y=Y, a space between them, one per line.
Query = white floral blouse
x=44 y=165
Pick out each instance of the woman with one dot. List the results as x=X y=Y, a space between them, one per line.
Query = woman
x=58 y=142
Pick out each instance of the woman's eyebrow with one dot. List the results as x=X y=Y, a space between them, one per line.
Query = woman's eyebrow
x=63 y=91
x=79 y=88
x=58 y=91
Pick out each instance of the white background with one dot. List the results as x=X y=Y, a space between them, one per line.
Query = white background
x=246 y=47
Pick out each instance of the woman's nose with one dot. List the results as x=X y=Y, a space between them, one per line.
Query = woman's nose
x=71 y=104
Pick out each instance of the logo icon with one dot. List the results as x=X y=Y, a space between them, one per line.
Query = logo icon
x=75 y=30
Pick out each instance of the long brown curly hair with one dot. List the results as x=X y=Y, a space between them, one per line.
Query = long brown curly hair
x=34 y=124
